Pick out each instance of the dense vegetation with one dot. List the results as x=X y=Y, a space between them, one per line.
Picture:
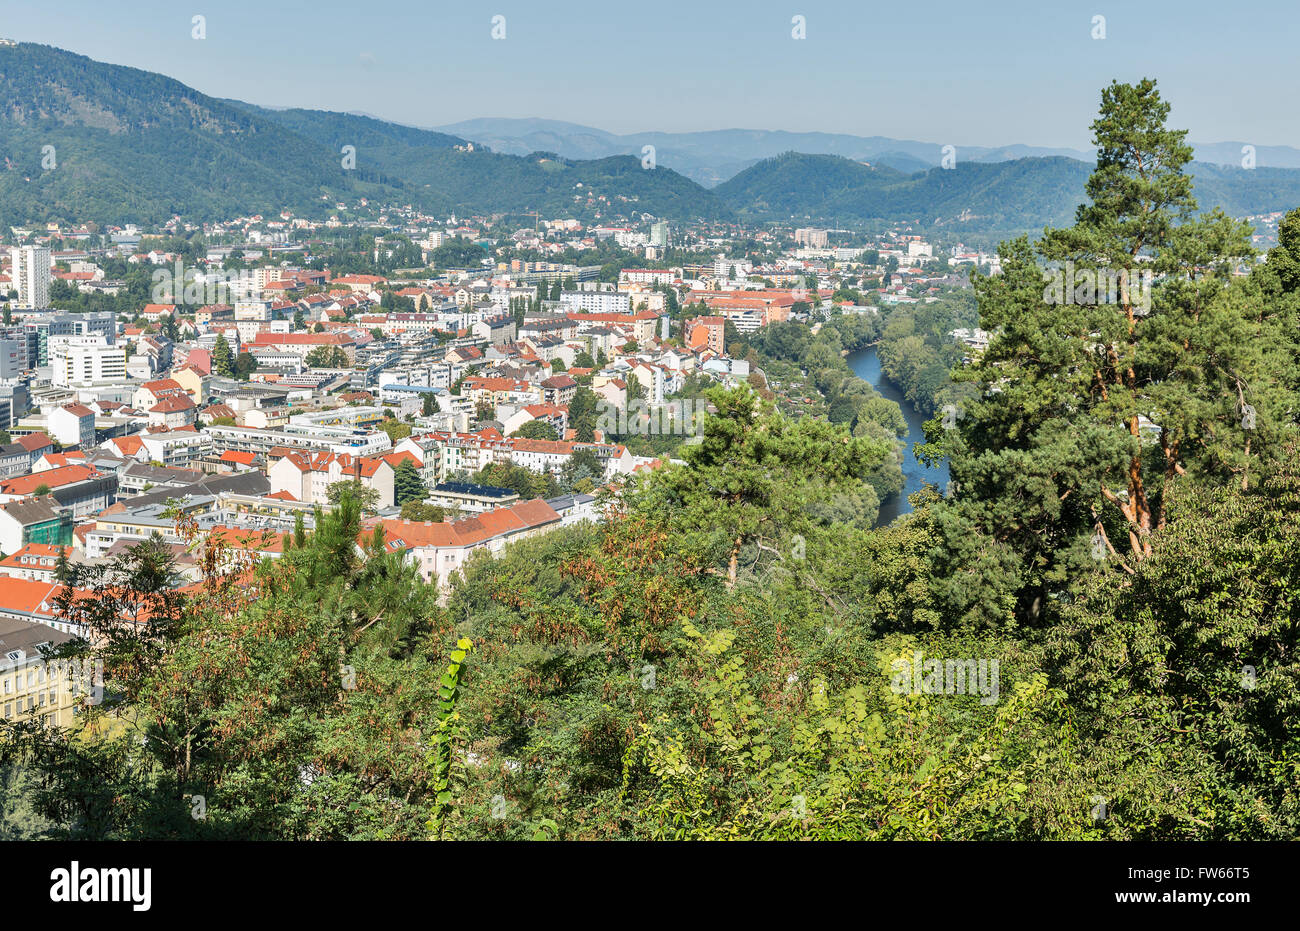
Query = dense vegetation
x=1108 y=592
x=918 y=354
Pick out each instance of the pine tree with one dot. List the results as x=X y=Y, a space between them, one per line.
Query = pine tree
x=223 y=360
x=407 y=484
x=1098 y=394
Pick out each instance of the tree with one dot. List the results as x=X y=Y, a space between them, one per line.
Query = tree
x=41 y=490
x=420 y=511
x=407 y=484
x=537 y=430
x=327 y=357
x=750 y=479
x=245 y=364
x=366 y=498
x=318 y=328
x=428 y=404
x=582 y=472
x=1089 y=409
x=582 y=414
x=396 y=429
x=223 y=360
x=269 y=689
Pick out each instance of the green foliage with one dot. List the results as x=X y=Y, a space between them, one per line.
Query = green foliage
x=537 y=430
x=442 y=750
x=223 y=360
x=327 y=357
x=417 y=510
x=407 y=484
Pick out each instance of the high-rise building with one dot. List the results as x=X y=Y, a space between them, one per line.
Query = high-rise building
x=660 y=235
x=31 y=276
x=813 y=238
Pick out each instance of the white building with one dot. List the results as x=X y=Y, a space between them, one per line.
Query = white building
x=597 y=302
x=73 y=425
x=81 y=361
x=31 y=276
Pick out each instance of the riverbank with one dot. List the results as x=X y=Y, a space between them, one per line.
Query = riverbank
x=865 y=364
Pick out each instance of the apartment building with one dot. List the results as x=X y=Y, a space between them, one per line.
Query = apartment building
x=31 y=267
x=440 y=549
x=32 y=687
x=597 y=302
x=84 y=361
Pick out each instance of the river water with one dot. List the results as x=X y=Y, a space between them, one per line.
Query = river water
x=915 y=474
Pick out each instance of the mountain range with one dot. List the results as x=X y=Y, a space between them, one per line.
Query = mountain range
x=82 y=140
x=715 y=156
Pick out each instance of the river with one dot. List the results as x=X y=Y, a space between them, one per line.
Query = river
x=867 y=367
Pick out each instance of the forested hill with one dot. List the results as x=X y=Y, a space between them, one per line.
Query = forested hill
x=1026 y=193
x=81 y=140
x=130 y=145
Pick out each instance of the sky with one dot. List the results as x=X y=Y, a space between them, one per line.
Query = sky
x=981 y=72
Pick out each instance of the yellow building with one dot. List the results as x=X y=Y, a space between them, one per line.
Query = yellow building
x=32 y=687
x=193 y=381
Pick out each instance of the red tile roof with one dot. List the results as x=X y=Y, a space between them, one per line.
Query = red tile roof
x=34 y=441
x=54 y=478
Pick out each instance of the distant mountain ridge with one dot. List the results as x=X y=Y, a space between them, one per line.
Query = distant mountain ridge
x=714 y=156
x=82 y=140
x=1027 y=193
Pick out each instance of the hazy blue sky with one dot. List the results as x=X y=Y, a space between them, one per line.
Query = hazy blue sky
x=982 y=72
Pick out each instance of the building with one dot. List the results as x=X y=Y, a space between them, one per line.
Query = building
x=81 y=490
x=173 y=412
x=73 y=425
x=33 y=520
x=440 y=549
x=597 y=302
x=465 y=496
x=83 y=361
x=48 y=327
x=176 y=449
x=32 y=687
x=706 y=333
x=308 y=476
x=36 y=562
x=813 y=238
x=31 y=276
